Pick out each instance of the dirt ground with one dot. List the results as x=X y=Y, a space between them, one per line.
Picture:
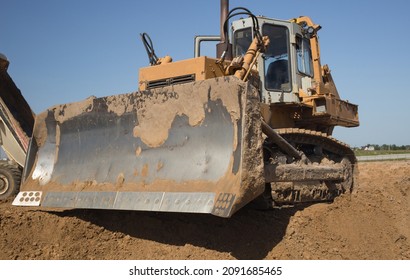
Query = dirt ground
x=371 y=223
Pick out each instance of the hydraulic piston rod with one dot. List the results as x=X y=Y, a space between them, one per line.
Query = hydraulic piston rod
x=278 y=140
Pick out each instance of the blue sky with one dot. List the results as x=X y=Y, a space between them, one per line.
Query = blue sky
x=65 y=51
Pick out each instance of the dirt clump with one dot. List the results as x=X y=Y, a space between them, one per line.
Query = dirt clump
x=371 y=223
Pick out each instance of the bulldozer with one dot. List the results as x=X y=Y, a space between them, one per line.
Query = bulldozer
x=16 y=127
x=202 y=135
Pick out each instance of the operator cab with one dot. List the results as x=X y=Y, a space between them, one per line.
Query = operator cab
x=286 y=65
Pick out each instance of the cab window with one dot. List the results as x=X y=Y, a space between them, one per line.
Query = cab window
x=242 y=41
x=304 y=56
x=276 y=58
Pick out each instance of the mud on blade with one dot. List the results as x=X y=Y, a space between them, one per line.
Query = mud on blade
x=182 y=148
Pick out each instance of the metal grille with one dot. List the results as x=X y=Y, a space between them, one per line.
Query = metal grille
x=171 y=81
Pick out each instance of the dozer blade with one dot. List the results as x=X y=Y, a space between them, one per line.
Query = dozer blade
x=194 y=147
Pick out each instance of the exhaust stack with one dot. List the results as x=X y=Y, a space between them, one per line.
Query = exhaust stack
x=221 y=47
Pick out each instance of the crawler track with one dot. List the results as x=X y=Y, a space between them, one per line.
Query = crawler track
x=321 y=152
